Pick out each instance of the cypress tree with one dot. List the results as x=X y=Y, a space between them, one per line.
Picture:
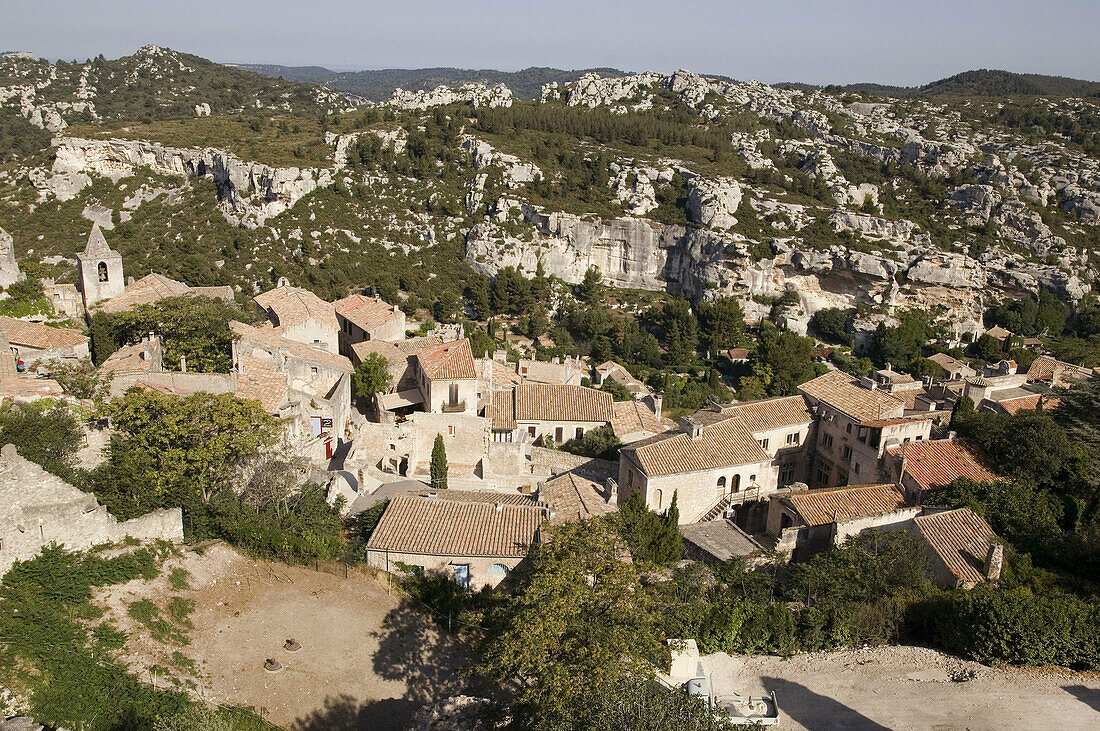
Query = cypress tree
x=439 y=464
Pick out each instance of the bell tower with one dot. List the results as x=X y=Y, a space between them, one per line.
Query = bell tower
x=100 y=270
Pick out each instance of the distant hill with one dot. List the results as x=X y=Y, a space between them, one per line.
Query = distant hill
x=985 y=82
x=155 y=83
x=378 y=85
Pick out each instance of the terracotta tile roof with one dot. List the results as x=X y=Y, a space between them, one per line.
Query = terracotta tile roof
x=632 y=417
x=222 y=292
x=950 y=364
x=771 y=413
x=412 y=346
x=258 y=381
x=444 y=527
x=542 y=371
x=547 y=402
x=145 y=291
x=937 y=463
x=402 y=376
x=1045 y=368
x=724 y=444
x=448 y=361
x=482 y=496
x=269 y=339
x=1027 y=403
x=367 y=313
x=998 y=332
x=821 y=507
x=961 y=538
x=293 y=306
x=721 y=539
x=127 y=360
x=895 y=421
x=502 y=410
x=842 y=392
x=502 y=375
x=39 y=336
x=574 y=498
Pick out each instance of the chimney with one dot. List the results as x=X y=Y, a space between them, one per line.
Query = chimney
x=952 y=434
x=500 y=509
x=994 y=559
x=183 y=364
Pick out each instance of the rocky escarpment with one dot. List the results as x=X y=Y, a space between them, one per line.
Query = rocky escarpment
x=476 y=95
x=249 y=193
x=705 y=263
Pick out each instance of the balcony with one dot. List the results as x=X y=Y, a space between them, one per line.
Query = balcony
x=453 y=407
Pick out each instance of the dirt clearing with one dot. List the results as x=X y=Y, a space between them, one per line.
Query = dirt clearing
x=366 y=661
x=910 y=688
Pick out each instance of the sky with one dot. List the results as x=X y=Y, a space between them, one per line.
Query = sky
x=814 y=41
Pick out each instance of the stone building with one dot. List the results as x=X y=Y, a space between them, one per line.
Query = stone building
x=298 y=314
x=447 y=378
x=856 y=423
x=154 y=287
x=20 y=387
x=923 y=467
x=805 y=522
x=34 y=341
x=551 y=413
x=476 y=538
x=364 y=318
x=956 y=369
x=963 y=549
x=38 y=508
x=100 y=269
x=720 y=457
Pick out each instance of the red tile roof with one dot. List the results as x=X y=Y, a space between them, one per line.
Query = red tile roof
x=258 y=381
x=366 y=313
x=39 y=336
x=293 y=306
x=821 y=507
x=443 y=527
x=937 y=463
x=771 y=413
x=961 y=539
x=549 y=402
x=574 y=498
x=1027 y=403
x=502 y=410
x=449 y=361
x=147 y=290
x=723 y=444
x=633 y=417
x=127 y=360
x=842 y=392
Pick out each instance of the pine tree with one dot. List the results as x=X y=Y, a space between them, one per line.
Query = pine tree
x=439 y=464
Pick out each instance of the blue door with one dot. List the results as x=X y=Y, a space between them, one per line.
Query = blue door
x=462 y=575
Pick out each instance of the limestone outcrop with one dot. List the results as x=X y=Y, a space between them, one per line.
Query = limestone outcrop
x=713 y=202
x=9 y=268
x=476 y=95
x=516 y=172
x=249 y=193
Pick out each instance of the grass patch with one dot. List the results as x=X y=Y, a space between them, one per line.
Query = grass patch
x=148 y=613
x=178 y=580
x=180 y=609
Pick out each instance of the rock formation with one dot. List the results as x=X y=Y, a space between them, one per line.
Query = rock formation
x=9 y=268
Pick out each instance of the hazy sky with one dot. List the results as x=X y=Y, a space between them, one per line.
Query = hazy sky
x=818 y=41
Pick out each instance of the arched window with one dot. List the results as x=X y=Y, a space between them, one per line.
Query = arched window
x=736 y=483
x=102 y=269
x=498 y=569
x=660 y=499
x=721 y=488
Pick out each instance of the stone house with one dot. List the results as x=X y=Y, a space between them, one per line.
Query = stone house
x=551 y=413
x=364 y=318
x=572 y=497
x=65 y=298
x=33 y=341
x=447 y=378
x=20 y=388
x=717 y=541
x=556 y=372
x=1054 y=372
x=142 y=364
x=154 y=287
x=298 y=314
x=634 y=420
x=38 y=508
x=963 y=549
x=856 y=422
x=926 y=466
x=477 y=538
x=805 y=522
x=308 y=386
x=956 y=369
x=720 y=457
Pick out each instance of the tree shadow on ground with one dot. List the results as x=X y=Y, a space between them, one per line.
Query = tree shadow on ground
x=814 y=710
x=1089 y=696
x=411 y=650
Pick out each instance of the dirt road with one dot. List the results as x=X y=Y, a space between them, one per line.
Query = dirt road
x=910 y=688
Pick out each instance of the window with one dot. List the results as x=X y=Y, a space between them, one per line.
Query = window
x=660 y=499
x=453 y=393
x=102 y=270
x=857 y=468
x=450 y=430
x=498 y=569
x=794 y=438
x=580 y=432
x=721 y=486
x=848 y=428
x=557 y=435
x=752 y=478
x=462 y=575
x=531 y=431
x=764 y=443
x=847 y=453
x=827 y=441
x=736 y=483
x=313 y=370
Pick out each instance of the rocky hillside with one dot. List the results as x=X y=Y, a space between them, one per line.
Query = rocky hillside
x=789 y=200
x=155 y=83
x=380 y=84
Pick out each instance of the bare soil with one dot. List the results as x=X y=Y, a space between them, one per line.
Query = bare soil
x=367 y=661
x=909 y=688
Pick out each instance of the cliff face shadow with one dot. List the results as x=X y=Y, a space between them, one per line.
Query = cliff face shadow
x=816 y=711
